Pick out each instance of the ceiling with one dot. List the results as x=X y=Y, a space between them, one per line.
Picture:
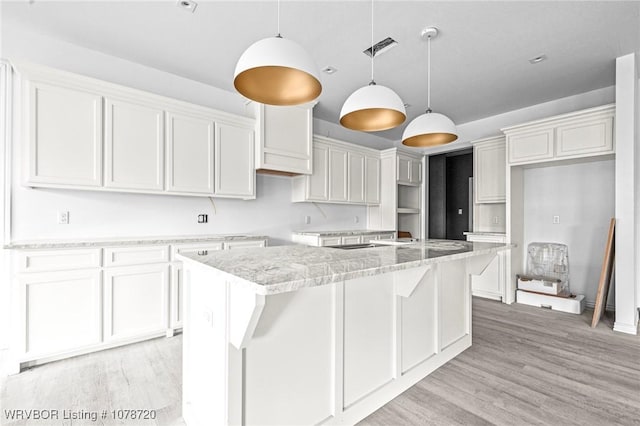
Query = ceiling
x=480 y=61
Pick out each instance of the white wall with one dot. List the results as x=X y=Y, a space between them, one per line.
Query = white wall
x=583 y=196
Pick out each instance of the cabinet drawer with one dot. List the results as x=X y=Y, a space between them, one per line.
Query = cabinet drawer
x=582 y=138
x=329 y=241
x=352 y=239
x=530 y=147
x=121 y=256
x=212 y=246
x=58 y=260
x=244 y=244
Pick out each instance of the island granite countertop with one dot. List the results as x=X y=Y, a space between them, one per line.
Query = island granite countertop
x=281 y=269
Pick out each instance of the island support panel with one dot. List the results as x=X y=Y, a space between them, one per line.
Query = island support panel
x=330 y=354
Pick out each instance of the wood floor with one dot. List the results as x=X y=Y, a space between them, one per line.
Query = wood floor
x=526 y=366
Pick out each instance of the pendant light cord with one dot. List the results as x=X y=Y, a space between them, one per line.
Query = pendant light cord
x=279 y=19
x=429 y=74
x=373 y=53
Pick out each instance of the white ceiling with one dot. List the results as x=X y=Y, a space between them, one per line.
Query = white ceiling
x=480 y=61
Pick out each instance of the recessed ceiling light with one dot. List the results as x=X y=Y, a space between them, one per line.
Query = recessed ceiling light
x=329 y=70
x=537 y=59
x=188 y=5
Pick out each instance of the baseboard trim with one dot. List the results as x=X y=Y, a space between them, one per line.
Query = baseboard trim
x=626 y=328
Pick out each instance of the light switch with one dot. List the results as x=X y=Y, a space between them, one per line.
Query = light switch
x=307 y=219
x=459 y=211
x=556 y=219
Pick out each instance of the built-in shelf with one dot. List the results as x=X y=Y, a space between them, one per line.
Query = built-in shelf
x=403 y=210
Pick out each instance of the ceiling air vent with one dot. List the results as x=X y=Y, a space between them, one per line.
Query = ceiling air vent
x=380 y=47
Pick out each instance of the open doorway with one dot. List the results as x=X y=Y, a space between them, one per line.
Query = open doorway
x=451 y=194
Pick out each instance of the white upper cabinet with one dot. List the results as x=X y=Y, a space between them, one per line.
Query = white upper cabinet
x=134 y=146
x=342 y=173
x=64 y=131
x=151 y=144
x=579 y=134
x=372 y=180
x=338 y=166
x=409 y=170
x=284 y=138
x=317 y=183
x=356 y=177
x=489 y=168
x=235 y=174
x=190 y=145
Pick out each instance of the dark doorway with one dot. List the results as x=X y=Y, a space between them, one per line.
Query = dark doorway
x=449 y=194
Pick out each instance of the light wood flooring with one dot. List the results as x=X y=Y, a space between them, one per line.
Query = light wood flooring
x=526 y=366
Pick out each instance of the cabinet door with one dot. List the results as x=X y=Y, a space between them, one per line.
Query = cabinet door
x=318 y=182
x=234 y=162
x=337 y=175
x=134 y=143
x=65 y=135
x=136 y=302
x=489 y=170
x=356 y=177
x=285 y=140
x=404 y=169
x=61 y=311
x=372 y=181
x=189 y=154
x=329 y=241
x=415 y=175
x=585 y=137
x=530 y=147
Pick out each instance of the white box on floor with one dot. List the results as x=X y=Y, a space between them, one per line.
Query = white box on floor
x=572 y=305
x=552 y=287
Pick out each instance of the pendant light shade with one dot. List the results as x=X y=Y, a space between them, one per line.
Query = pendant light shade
x=372 y=108
x=429 y=129
x=277 y=71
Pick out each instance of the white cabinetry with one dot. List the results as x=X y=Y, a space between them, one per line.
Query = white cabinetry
x=409 y=170
x=490 y=283
x=284 y=138
x=338 y=172
x=190 y=144
x=134 y=146
x=135 y=301
x=151 y=144
x=342 y=173
x=489 y=165
x=579 y=134
x=337 y=238
x=64 y=131
x=235 y=174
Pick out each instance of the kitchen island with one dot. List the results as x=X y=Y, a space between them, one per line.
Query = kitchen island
x=309 y=335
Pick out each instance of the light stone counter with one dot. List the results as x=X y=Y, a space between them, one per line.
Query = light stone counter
x=126 y=241
x=281 y=269
x=341 y=233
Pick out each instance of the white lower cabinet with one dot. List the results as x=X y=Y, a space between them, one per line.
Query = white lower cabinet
x=61 y=311
x=73 y=301
x=135 y=301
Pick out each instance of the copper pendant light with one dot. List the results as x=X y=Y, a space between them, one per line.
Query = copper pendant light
x=277 y=71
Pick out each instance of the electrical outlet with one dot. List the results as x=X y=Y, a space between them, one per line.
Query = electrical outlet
x=356 y=219
x=203 y=218
x=307 y=219
x=556 y=219
x=459 y=211
x=63 y=218
x=496 y=220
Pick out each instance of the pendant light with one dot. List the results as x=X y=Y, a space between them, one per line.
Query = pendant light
x=277 y=71
x=430 y=128
x=372 y=108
